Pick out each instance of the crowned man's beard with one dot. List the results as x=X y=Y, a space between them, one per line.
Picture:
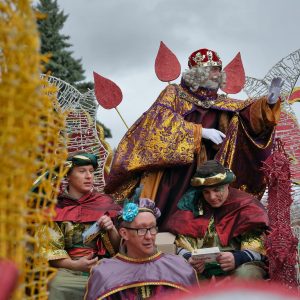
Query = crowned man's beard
x=210 y=84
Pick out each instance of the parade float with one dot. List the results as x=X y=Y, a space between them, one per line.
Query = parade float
x=43 y=118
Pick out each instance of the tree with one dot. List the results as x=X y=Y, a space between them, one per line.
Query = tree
x=61 y=63
x=83 y=87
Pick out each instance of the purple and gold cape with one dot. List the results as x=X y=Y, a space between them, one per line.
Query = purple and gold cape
x=165 y=144
x=121 y=277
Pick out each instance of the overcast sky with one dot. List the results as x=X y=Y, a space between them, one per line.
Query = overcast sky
x=120 y=39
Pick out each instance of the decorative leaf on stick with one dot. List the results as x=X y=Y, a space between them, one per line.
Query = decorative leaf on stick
x=235 y=76
x=108 y=94
x=167 y=66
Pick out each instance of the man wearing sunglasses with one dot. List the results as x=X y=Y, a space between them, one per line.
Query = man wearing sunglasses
x=139 y=271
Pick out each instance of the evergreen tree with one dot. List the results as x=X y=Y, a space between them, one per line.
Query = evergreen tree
x=61 y=63
x=83 y=87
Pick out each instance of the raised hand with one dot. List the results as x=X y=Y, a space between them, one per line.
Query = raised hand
x=214 y=135
x=106 y=223
x=274 y=90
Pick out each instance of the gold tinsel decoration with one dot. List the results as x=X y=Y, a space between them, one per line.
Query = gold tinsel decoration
x=31 y=144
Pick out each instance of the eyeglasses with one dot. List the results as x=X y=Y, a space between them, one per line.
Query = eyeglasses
x=143 y=231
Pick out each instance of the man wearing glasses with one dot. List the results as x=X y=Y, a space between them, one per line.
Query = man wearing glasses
x=139 y=271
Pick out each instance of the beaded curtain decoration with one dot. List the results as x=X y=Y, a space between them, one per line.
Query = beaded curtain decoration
x=281 y=243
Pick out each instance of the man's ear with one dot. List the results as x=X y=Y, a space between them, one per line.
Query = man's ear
x=123 y=233
x=226 y=186
x=67 y=176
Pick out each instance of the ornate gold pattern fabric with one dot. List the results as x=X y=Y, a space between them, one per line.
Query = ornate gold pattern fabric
x=229 y=145
x=205 y=104
x=162 y=138
x=68 y=235
x=150 y=181
x=160 y=141
x=150 y=141
x=253 y=242
x=262 y=116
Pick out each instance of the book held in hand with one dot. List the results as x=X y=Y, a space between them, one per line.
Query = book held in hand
x=92 y=232
x=206 y=254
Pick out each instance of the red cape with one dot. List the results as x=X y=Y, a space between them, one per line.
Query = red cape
x=88 y=208
x=241 y=213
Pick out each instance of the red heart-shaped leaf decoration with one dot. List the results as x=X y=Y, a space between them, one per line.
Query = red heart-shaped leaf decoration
x=235 y=76
x=167 y=66
x=108 y=94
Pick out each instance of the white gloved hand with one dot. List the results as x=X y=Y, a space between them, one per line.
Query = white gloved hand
x=274 y=90
x=214 y=135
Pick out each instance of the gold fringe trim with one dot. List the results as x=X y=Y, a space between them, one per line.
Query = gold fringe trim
x=107 y=244
x=138 y=260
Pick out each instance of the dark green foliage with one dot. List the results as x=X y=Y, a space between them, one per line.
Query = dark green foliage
x=61 y=65
x=83 y=87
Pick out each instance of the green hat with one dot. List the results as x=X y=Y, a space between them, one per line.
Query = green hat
x=79 y=159
x=212 y=174
x=209 y=174
x=83 y=159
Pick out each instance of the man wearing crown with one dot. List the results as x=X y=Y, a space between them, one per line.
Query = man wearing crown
x=188 y=124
